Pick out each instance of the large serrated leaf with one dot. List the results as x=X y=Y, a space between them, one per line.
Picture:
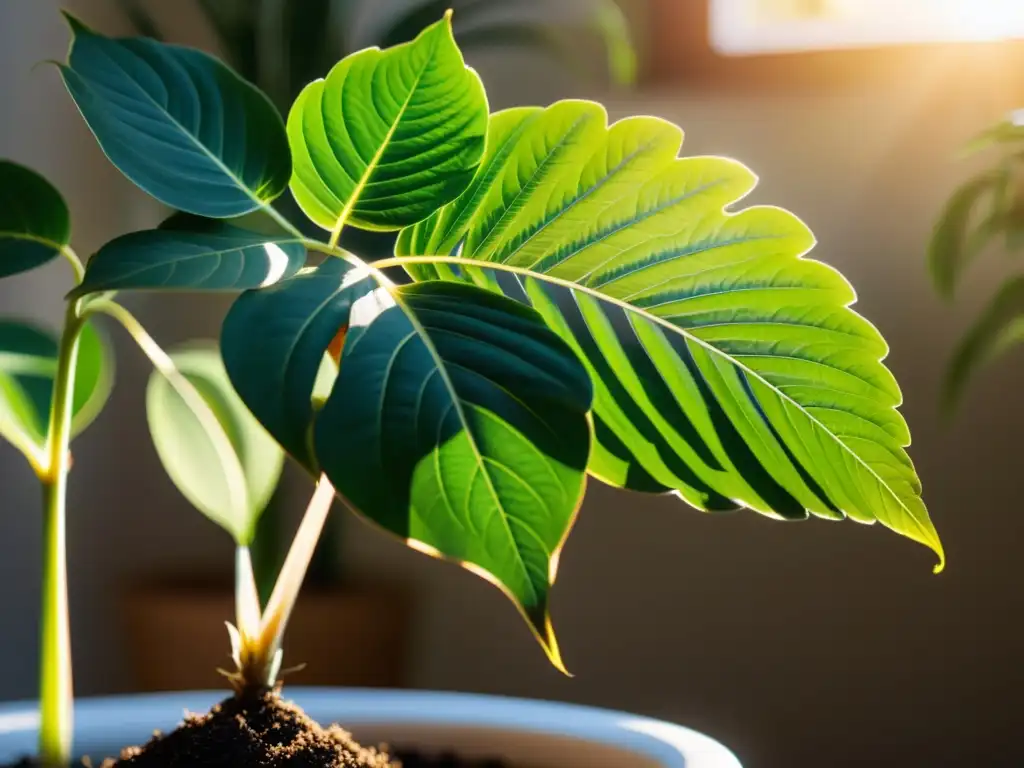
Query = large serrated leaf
x=28 y=365
x=228 y=467
x=34 y=220
x=457 y=421
x=389 y=135
x=179 y=123
x=727 y=367
x=215 y=257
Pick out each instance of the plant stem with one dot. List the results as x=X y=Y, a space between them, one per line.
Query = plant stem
x=289 y=581
x=55 y=681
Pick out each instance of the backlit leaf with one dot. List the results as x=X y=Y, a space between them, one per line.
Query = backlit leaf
x=727 y=367
x=389 y=135
x=228 y=469
x=28 y=365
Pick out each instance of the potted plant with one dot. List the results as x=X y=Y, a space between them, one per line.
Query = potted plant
x=281 y=47
x=577 y=301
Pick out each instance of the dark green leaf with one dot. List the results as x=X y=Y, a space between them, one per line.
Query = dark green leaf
x=227 y=469
x=457 y=420
x=179 y=123
x=389 y=135
x=727 y=367
x=28 y=365
x=274 y=343
x=955 y=241
x=215 y=257
x=999 y=328
x=34 y=220
x=459 y=423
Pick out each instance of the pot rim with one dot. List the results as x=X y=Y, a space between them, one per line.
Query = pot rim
x=674 y=746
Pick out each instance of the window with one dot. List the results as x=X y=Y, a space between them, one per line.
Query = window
x=745 y=27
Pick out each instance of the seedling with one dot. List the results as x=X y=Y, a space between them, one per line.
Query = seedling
x=583 y=303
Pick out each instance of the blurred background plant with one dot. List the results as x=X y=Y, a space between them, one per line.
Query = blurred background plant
x=282 y=45
x=984 y=214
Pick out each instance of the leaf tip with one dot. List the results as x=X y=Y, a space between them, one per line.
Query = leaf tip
x=545 y=633
x=78 y=27
x=935 y=544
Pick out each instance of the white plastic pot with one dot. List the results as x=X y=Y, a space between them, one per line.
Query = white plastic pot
x=526 y=734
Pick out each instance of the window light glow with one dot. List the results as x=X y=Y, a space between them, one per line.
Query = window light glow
x=759 y=26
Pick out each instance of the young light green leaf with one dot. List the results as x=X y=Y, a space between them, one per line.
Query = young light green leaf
x=217 y=257
x=727 y=367
x=34 y=220
x=227 y=466
x=955 y=240
x=179 y=123
x=274 y=343
x=999 y=328
x=457 y=421
x=389 y=135
x=28 y=365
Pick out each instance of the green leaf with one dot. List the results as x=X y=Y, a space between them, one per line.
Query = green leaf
x=274 y=342
x=727 y=367
x=458 y=421
x=28 y=365
x=226 y=467
x=389 y=135
x=999 y=328
x=215 y=257
x=179 y=123
x=955 y=241
x=34 y=221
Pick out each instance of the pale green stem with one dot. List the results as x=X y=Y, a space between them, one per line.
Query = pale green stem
x=163 y=363
x=247 y=599
x=289 y=581
x=55 y=681
x=76 y=263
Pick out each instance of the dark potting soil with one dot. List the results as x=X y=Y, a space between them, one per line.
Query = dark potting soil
x=259 y=730
x=264 y=731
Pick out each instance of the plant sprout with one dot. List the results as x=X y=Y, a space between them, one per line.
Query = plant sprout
x=567 y=299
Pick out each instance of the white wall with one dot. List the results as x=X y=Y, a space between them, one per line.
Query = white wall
x=798 y=644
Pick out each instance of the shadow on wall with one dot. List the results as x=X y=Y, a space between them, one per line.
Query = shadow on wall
x=796 y=644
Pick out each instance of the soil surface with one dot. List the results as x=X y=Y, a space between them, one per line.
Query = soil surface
x=264 y=731
x=257 y=731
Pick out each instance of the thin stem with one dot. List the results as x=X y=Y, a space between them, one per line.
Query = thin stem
x=76 y=263
x=55 y=681
x=289 y=581
x=247 y=599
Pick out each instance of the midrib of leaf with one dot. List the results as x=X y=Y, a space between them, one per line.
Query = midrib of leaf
x=59 y=247
x=440 y=366
x=399 y=261
x=371 y=167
